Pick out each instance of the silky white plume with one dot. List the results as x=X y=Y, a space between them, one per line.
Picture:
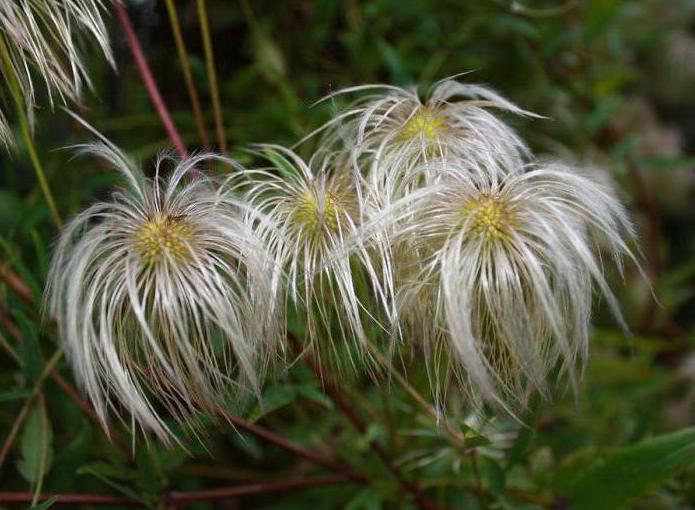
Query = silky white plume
x=163 y=295
x=500 y=289
x=309 y=215
x=40 y=37
x=390 y=132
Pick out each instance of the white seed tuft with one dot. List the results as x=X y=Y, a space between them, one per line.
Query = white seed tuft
x=40 y=37
x=164 y=297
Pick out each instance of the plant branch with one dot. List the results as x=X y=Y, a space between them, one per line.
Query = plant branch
x=177 y=498
x=147 y=78
x=182 y=498
x=16 y=92
x=35 y=392
x=212 y=74
x=281 y=442
x=336 y=396
x=186 y=70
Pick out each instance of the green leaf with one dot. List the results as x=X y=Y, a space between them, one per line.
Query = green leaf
x=393 y=61
x=525 y=435
x=311 y=392
x=71 y=456
x=274 y=398
x=98 y=473
x=45 y=504
x=366 y=499
x=14 y=394
x=494 y=475
x=633 y=471
x=36 y=446
x=29 y=350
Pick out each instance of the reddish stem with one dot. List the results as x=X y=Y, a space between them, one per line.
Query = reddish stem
x=182 y=498
x=176 y=498
x=291 y=447
x=148 y=79
x=336 y=396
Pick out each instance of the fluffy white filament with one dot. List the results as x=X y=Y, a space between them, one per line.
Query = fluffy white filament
x=41 y=37
x=163 y=295
x=310 y=214
x=507 y=262
x=430 y=220
x=389 y=132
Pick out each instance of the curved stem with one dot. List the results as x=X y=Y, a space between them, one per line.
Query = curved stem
x=15 y=89
x=359 y=424
x=147 y=78
x=212 y=75
x=186 y=70
x=176 y=498
x=36 y=390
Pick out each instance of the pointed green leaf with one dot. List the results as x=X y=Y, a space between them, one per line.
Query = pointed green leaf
x=36 y=446
x=45 y=505
x=274 y=398
x=633 y=471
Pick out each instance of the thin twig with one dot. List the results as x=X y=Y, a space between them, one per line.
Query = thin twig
x=186 y=70
x=176 y=498
x=291 y=447
x=182 y=498
x=336 y=396
x=16 y=93
x=17 y=285
x=147 y=78
x=212 y=75
x=19 y=420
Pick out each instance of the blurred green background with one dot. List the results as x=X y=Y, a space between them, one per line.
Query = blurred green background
x=616 y=81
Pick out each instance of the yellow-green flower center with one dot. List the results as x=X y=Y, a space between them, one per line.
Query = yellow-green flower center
x=162 y=236
x=426 y=123
x=489 y=217
x=314 y=213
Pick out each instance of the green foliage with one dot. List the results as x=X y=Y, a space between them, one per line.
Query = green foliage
x=633 y=471
x=614 y=78
x=36 y=445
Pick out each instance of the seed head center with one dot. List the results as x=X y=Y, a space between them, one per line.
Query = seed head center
x=489 y=217
x=425 y=123
x=163 y=236
x=315 y=212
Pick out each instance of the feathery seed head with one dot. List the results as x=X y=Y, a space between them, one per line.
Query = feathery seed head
x=489 y=217
x=425 y=123
x=313 y=231
x=163 y=236
x=316 y=211
x=389 y=133
x=164 y=296
x=506 y=269
x=41 y=36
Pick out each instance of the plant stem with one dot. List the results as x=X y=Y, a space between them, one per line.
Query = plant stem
x=17 y=285
x=183 y=498
x=212 y=75
x=36 y=390
x=15 y=89
x=336 y=396
x=9 y=349
x=176 y=498
x=458 y=438
x=147 y=78
x=291 y=447
x=185 y=68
